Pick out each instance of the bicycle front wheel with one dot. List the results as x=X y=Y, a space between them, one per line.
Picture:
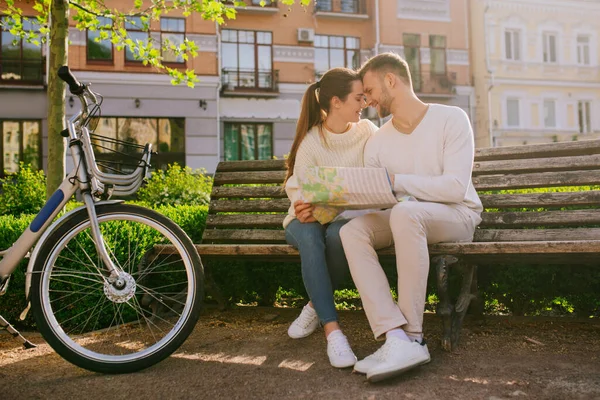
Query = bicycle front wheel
x=109 y=328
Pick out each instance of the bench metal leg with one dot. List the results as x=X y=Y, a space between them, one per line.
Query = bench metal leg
x=462 y=303
x=444 y=307
x=213 y=289
x=5 y=325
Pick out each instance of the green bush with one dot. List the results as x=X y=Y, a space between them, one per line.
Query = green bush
x=23 y=192
x=177 y=186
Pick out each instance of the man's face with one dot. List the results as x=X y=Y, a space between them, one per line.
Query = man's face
x=378 y=96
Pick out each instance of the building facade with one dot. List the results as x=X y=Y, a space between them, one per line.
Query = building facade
x=253 y=72
x=536 y=70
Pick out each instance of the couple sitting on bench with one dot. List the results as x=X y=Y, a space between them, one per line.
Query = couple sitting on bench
x=428 y=151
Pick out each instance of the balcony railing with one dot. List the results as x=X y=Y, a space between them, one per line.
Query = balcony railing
x=341 y=6
x=441 y=84
x=250 y=80
x=22 y=71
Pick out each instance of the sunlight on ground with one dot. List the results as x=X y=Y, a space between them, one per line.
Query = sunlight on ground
x=482 y=381
x=223 y=358
x=296 y=365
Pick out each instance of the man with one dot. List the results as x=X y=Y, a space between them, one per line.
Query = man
x=428 y=151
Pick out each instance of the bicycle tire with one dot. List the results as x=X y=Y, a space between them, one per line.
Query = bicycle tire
x=55 y=274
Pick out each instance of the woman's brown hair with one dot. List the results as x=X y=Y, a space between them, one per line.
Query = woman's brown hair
x=337 y=82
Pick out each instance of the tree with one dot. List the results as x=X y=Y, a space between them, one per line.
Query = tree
x=52 y=23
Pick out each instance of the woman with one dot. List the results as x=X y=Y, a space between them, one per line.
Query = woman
x=329 y=133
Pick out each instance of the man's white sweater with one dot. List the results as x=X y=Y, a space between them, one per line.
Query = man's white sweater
x=434 y=163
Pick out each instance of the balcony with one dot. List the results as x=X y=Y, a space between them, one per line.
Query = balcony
x=250 y=82
x=341 y=8
x=435 y=84
x=22 y=72
x=254 y=7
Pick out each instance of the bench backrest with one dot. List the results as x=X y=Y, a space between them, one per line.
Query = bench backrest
x=248 y=203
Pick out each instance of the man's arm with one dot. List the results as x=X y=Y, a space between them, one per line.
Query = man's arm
x=452 y=185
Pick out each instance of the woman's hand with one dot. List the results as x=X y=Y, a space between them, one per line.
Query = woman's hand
x=304 y=211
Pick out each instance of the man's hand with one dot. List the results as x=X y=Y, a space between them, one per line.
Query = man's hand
x=304 y=211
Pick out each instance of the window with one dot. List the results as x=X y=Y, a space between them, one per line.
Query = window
x=437 y=47
x=585 y=122
x=172 y=33
x=21 y=142
x=248 y=59
x=134 y=28
x=512 y=43
x=549 y=43
x=412 y=54
x=20 y=62
x=583 y=49
x=343 y=6
x=99 y=46
x=167 y=136
x=549 y=114
x=512 y=112
x=336 y=51
x=248 y=141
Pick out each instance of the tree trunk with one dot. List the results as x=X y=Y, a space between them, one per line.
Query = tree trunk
x=59 y=32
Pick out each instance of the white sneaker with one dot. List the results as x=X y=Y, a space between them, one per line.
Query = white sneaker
x=339 y=352
x=397 y=357
x=364 y=365
x=306 y=323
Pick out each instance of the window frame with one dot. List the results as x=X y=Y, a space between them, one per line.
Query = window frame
x=21 y=60
x=89 y=60
x=518 y=101
x=431 y=48
x=239 y=150
x=544 y=103
x=416 y=80
x=345 y=50
x=256 y=68
x=159 y=160
x=584 y=117
x=547 y=49
x=135 y=29
x=583 y=49
x=21 y=144
x=183 y=62
x=515 y=45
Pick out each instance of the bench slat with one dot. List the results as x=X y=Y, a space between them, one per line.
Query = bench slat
x=564 y=149
x=490 y=219
x=251 y=165
x=535 y=180
x=537 y=165
x=249 y=205
x=220 y=192
x=222 y=178
x=556 y=199
x=245 y=220
x=243 y=235
x=541 y=218
x=532 y=235
x=506 y=248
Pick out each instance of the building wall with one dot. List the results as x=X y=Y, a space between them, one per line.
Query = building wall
x=533 y=81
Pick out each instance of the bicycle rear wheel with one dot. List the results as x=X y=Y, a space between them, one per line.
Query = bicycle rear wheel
x=117 y=329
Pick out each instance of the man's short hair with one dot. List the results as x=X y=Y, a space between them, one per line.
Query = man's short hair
x=387 y=62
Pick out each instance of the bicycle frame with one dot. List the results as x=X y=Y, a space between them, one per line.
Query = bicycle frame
x=90 y=181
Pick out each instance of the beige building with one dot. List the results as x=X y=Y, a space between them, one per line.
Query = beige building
x=536 y=70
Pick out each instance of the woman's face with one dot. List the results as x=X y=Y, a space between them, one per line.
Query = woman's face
x=350 y=109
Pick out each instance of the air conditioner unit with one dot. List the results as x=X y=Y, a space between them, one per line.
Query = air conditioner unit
x=306 y=35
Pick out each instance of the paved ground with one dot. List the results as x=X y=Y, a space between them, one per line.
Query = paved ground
x=245 y=354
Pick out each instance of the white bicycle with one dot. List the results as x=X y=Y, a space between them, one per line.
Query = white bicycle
x=114 y=287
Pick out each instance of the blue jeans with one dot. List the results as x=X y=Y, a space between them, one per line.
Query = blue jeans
x=324 y=264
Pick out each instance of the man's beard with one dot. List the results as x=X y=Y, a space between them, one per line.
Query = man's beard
x=384 y=104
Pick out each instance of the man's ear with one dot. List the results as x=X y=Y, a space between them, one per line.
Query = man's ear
x=389 y=80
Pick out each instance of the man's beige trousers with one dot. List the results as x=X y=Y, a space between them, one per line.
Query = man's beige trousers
x=409 y=226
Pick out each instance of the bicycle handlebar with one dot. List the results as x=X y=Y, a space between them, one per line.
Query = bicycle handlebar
x=75 y=87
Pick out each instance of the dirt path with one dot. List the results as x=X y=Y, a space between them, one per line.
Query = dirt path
x=246 y=354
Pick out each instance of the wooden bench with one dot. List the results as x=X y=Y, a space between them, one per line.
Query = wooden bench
x=524 y=228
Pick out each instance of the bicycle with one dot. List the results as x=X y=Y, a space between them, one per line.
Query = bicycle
x=114 y=287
